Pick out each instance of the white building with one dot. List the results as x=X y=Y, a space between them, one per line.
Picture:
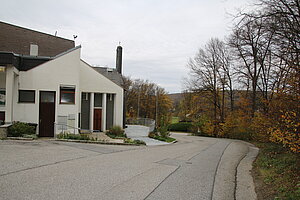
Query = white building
x=57 y=93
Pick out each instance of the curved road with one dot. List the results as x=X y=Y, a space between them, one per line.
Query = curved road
x=193 y=168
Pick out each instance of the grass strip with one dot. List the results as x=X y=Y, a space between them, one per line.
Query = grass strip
x=277 y=173
x=164 y=139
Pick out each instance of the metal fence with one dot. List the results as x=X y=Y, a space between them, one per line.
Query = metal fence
x=142 y=121
x=64 y=128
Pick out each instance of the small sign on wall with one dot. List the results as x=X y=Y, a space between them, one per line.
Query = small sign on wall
x=71 y=120
x=62 y=122
x=71 y=117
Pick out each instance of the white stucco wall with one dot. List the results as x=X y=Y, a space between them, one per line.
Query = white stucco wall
x=2 y=80
x=93 y=81
x=2 y=86
x=10 y=84
x=67 y=69
x=49 y=76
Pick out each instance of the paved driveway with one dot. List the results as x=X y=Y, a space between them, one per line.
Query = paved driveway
x=138 y=132
x=193 y=168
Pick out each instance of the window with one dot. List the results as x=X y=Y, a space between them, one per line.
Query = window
x=98 y=100
x=67 y=94
x=47 y=97
x=110 y=97
x=85 y=96
x=26 y=96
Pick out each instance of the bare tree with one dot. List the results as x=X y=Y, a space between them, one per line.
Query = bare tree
x=252 y=43
x=211 y=74
x=204 y=70
x=285 y=23
x=226 y=72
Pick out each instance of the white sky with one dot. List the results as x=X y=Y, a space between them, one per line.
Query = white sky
x=158 y=36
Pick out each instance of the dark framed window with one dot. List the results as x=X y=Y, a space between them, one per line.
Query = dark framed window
x=98 y=100
x=47 y=97
x=26 y=96
x=85 y=96
x=67 y=94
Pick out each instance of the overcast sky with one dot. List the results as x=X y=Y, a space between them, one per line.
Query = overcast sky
x=158 y=36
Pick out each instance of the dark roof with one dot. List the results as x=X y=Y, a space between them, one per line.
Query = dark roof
x=18 y=39
x=21 y=62
x=111 y=74
x=24 y=62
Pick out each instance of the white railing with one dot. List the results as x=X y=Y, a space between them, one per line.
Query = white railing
x=142 y=121
x=64 y=128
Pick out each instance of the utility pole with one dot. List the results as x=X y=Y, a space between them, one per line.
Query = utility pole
x=156 y=108
x=138 y=107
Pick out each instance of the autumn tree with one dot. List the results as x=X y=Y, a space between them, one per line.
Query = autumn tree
x=267 y=44
x=145 y=99
x=252 y=44
x=262 y=56
x=211 y=75
x=284 y=112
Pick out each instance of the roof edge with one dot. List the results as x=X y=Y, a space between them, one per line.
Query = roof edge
x=100 y=73
x=37 y=31
x=66 y=52
x=57 y=56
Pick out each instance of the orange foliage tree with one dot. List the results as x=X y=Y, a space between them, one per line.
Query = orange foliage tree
x=144 y=99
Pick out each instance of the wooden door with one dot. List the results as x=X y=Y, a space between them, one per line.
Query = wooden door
x=47 y=114
x=97 y=119
x=2 y=118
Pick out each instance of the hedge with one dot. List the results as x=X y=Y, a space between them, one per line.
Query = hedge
x=181 y=126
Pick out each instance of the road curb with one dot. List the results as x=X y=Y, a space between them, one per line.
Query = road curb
x=245 y=184
x=19 y=138
x=175 y=141
x=96 y=142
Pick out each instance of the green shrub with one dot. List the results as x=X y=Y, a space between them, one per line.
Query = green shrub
x=94 y=139
x=163 y=131
x=153 y=134
x=131 y=141
x=30 y=136
x=139 y=142
x=181 y=126
x=164 y=139
x=19 y=129
x=174 y=120
x=73 y=136
x=115 y=132
x=162 y=135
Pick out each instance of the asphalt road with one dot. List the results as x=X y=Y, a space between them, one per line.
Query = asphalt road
x=193 y=168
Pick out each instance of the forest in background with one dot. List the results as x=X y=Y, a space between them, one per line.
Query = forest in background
x=247 y=86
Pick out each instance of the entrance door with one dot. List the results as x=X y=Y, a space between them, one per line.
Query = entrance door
x=97 y=119
x=2 y=118
x=47 y=114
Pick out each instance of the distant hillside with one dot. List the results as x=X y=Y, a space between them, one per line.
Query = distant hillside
x=176 y=97
x=237 y=94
